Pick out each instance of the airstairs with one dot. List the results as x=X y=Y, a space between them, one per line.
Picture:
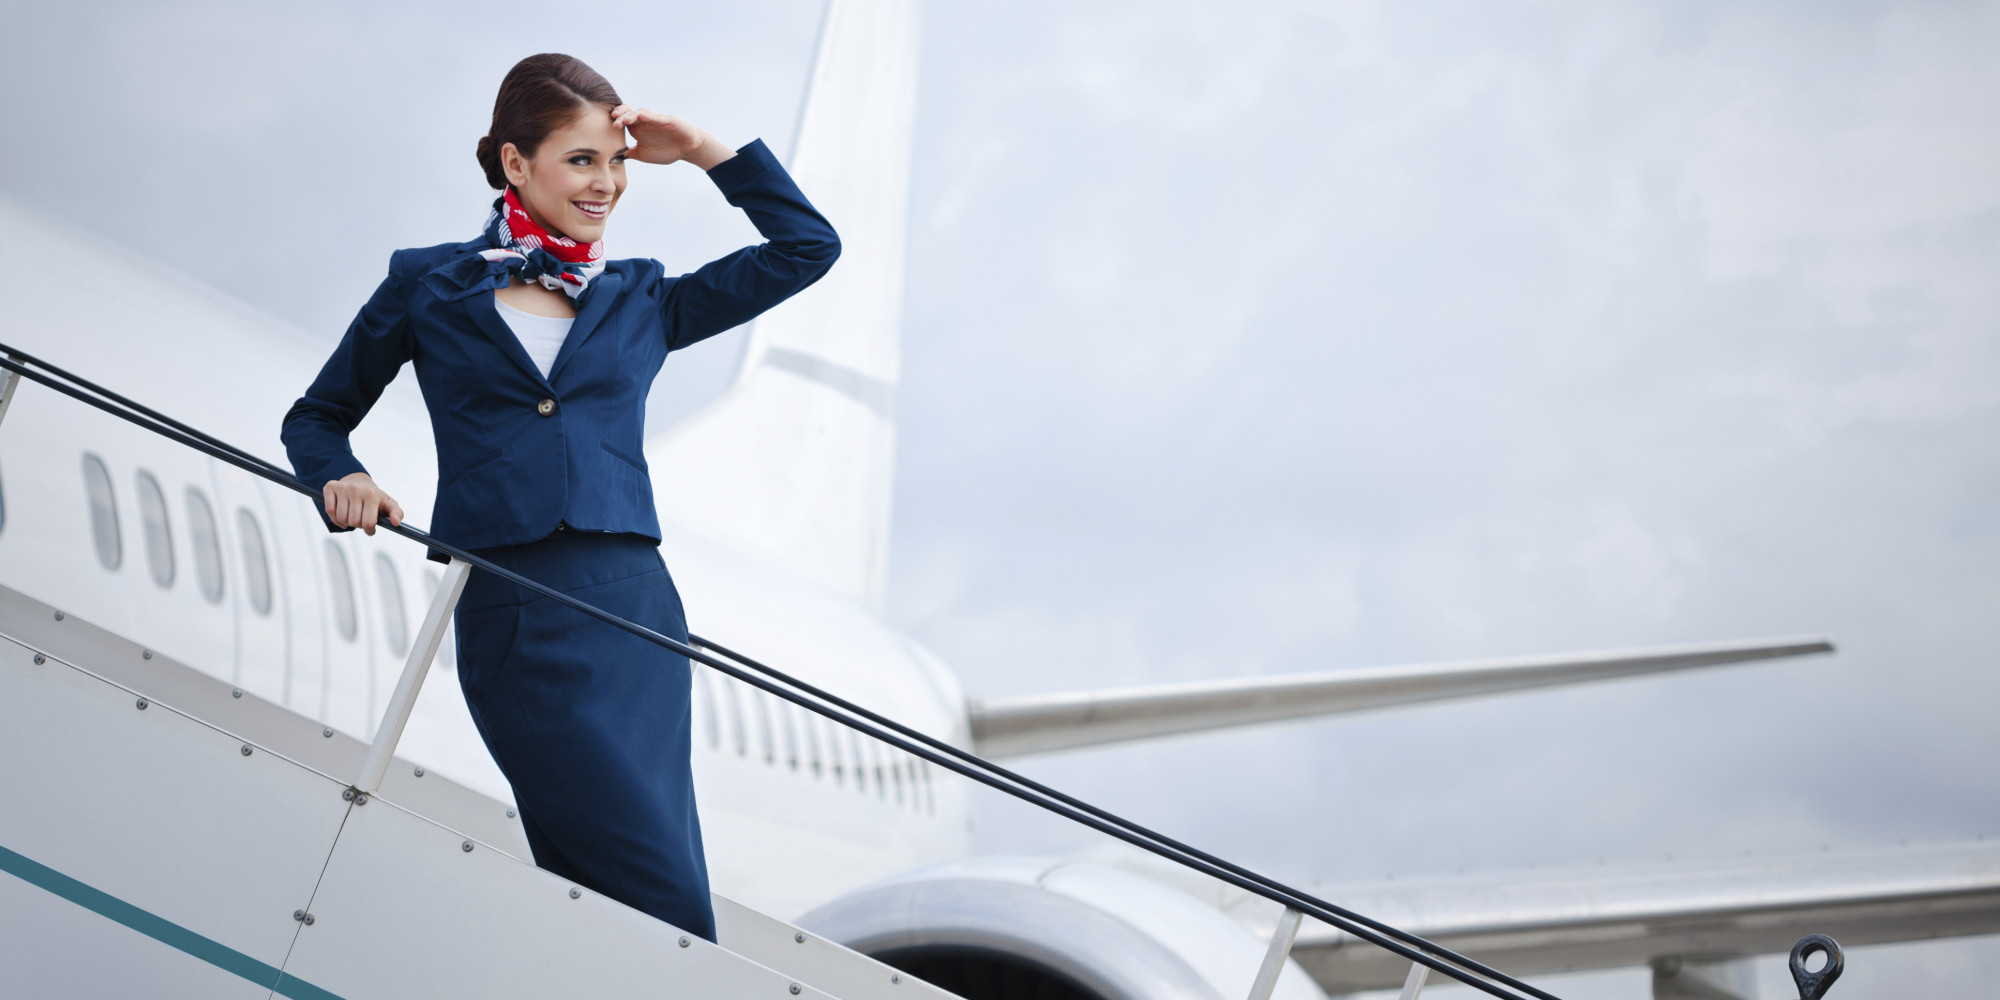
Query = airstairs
x=222 y=837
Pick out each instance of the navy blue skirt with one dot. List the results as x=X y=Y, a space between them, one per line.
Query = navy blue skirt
x=588 y=722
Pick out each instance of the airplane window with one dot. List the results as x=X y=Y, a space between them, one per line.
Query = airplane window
x=836 y=760
x=710 y=725
x=103 y=513
x=256 y=561
x=895 y=772
x=396 y=622
x=790 y=714
x=860 y=759
x=811 y=724
x=342 y=585
x=737 y=732
x=159 y=536
x=765 y=741
x=875 y=755
x=207 y=545
x=930 y=793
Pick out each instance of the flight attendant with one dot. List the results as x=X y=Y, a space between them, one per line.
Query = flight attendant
x=534 y=353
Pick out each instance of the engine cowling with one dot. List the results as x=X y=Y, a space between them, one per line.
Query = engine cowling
x=1001 y=928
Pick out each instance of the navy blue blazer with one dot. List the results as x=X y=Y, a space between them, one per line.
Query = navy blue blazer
x=519 y=454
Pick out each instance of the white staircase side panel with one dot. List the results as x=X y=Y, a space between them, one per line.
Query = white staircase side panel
x=812 y=958
x=152 y=840
x=156 y=820
x=100 y=957
x=167 y=681
x=405 y=911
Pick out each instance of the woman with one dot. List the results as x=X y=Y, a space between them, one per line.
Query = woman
x=534 y=354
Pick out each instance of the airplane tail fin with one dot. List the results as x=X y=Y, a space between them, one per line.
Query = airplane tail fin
x=796 y=459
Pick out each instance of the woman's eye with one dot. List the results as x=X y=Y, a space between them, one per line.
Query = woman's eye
x=618 y=161
x=581 y=161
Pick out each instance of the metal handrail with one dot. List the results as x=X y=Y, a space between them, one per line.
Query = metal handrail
x=1418 y=950
x=285 y=478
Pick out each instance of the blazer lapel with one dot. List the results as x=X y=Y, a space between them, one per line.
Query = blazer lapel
x=597 y=300
x=484 y=316
x=469 y=280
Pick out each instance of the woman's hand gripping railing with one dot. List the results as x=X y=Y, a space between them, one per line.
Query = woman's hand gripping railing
x=778 y=684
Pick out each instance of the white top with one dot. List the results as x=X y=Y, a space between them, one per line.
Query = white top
x=542 y=336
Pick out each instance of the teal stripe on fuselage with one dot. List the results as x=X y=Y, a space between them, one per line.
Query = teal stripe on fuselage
x=159 y=928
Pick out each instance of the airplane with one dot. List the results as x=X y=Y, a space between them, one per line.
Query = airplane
x=775 y=503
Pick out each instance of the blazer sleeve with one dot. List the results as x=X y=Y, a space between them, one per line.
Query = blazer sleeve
x=374 y=349
x=799 y=246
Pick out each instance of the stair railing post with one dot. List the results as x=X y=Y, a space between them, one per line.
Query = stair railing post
x=1414 y=983
x=422 y=651
x=9 y=381
x=1282 y=937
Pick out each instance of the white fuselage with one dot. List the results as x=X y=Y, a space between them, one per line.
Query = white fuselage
x=795 y=809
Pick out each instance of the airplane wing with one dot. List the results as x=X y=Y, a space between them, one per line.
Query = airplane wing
x=1008 y=727
x=1662 y=916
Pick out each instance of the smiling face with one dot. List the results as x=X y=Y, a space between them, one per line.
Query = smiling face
x=575 y=178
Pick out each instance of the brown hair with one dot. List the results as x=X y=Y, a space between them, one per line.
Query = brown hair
x=539 y=95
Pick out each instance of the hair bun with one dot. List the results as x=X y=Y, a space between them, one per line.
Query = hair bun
x=489 y=161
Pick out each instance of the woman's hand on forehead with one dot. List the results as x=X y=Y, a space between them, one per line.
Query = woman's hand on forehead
x=663 y=138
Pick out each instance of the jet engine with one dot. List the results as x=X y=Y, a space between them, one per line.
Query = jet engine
x=1017 y=928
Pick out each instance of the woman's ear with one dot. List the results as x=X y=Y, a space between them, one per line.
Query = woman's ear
x=514 y=165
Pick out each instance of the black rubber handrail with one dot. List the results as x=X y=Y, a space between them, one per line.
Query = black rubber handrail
x=812 y=698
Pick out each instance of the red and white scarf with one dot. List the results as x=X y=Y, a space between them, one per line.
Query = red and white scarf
x=558 y=262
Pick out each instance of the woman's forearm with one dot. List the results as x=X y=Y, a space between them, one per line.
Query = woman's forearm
x=711 y=152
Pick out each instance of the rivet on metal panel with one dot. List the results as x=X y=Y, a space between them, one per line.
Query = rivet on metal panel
x=309 y=920
x=142 y=704
x=361 y=799
x=236 y=692
x=59 y=616
x=895 y=979
x=800 y=938
x=246 y=749
x=347 y=794
x=40 y=659
x=146 y=654
x=327 y=732
x=299 y=915
x=420 y=772
x=510 y=813
x=684 y=942
x=795 y=989
x=466 y=847
x=575 y=893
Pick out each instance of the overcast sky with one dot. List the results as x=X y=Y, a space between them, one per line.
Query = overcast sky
x=1265 y=337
